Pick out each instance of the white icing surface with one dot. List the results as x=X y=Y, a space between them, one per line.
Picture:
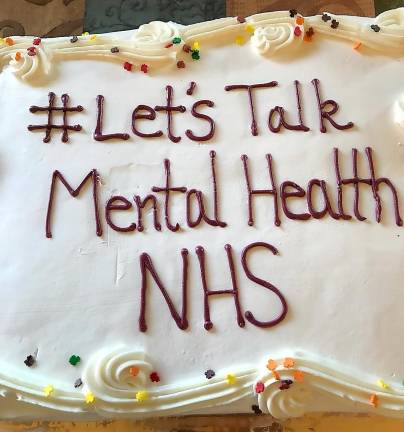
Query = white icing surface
x=80 y=294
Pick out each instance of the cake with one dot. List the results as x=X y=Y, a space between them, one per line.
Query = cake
x=203 y=219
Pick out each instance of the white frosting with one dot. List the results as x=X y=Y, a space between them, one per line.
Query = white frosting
x=80 y=294
x=273 y=31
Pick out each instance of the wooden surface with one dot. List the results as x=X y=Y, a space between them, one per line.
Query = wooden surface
x=253 y=423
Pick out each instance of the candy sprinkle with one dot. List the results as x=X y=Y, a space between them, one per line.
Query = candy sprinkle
x=383 y=384
x=176 y=40
x=292 y=13
x=325 y=17
x=93 y=37
x=299 y=20
x=114 y=50
x=31 y=51
x=210 y=374
x=85 y=34
x=74 y=360
x=249 y=28
x=256 y=409
x=78 y=383
x=9 y=41
x=48 y=390
x=74 y=39
x=195 y=46
x=276 y=375
x=142 y=396
x=17 y=56
x=298 y=31
x=240 y=19
x=30 y=360
x=144 y=68
x=334 y=24
x=240 y=40
x=154 y=377
x=134 y=371
x=180 y=64
x=309 y=34
x=186 y=48
x=298 y=376
x=195 y=55
x=128 y=66
x=231 y=379
x=288 y=362
x=285 y=384
x=375 y=28
x=90 y=398
x=36 y=41
x=357 y=45
x=374 y=400
x=272 y=365
x=259 y=387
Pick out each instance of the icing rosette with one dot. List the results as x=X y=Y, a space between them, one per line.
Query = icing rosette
x=155 y=35
x=271 y=38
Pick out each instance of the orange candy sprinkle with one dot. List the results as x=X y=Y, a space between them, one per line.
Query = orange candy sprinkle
x=134 y=371
x=288 y=362
x=357 y=45
x=298 y=376
x=299 y=20
x=9 y=41
x=17 y=56
x=272 y=365
x=374 y=400
x=276 y=375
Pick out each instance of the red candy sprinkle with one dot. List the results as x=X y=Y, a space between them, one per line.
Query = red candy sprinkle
x=186 y=48
x=144 y=68
x=36 y=41
x=154 y=377
x=259 y=387
x=128 y=66
x=241 y=19
x=31 y=51
x=169 y=45
x=181 y=64
x=297 y=31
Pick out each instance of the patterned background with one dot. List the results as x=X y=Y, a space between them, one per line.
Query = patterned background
x=65 y=17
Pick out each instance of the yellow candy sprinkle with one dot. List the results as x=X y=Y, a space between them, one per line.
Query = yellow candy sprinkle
x=48 y=390
x=240 y=40
x=249 y=28
x=142 y=396
x=93 y=37
x=231 y=379
x=382 y=384
x=2 y=41
x=85 y=34
x=90 y=398
x=195 y=45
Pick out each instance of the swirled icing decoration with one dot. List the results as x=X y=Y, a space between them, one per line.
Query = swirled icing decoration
x=107 y=377
x=271 y=38
x=325 y=387
x=273 y=32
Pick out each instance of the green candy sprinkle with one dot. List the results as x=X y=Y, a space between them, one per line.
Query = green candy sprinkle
x=74 y=360
x=195 y=54
x=176 y=40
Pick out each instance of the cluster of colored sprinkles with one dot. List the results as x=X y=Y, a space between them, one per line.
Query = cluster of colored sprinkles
x=272 y=365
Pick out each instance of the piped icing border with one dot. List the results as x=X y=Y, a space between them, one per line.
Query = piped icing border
x=157 y=43
x=285 y=387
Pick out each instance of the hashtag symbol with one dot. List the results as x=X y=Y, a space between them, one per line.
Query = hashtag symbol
x=50 y=109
